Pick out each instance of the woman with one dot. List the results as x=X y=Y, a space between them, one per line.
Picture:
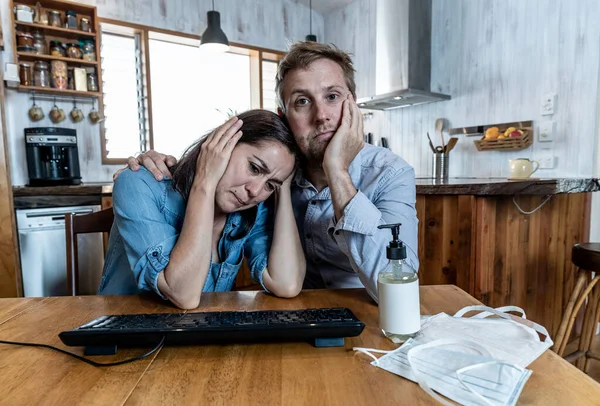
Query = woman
x=188 y=235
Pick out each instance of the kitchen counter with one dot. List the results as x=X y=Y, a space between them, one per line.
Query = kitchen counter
x=505 y=242
x=505 y=187
x=27 y=197
x=87 y=189
x=425 y=186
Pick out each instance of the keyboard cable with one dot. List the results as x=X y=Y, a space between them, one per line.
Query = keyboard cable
x=89 y=361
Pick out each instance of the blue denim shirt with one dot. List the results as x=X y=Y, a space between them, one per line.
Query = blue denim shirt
x=351 y=251
x=148 y=219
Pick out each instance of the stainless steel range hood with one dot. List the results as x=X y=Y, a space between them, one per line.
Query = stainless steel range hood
x=402 y=56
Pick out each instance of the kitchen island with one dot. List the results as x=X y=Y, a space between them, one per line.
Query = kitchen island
x=505 y=242
x=473 y=233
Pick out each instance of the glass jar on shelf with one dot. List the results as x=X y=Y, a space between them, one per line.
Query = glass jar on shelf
x=41 y=74
x=89 y=50
x=85 y=24
x=54 y=18
x=92 y=81
x=71 y=20
x=56 y=48
x=73 y=50
x=40 y=16
x=25 y=74
x=24 y=39
x=59 y=75
x=23 y=13
x=26 y=49
x=39 y=43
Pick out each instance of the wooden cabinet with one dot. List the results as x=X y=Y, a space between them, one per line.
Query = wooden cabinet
x=502 y=257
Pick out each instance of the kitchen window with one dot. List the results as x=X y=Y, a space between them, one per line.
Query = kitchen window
x=269 y=69
x=123 y=98
x=163 y=92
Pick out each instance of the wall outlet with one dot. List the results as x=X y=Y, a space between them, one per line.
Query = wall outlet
x=547 y=162
x=548 y=104
x=546 y=131
x=545 y=156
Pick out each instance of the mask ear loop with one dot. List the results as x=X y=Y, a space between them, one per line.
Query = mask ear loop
x=368 y=351
x=500 y=312
x=488 y=311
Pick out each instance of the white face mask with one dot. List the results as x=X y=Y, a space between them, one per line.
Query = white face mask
x=508 y=340
x=469 y=360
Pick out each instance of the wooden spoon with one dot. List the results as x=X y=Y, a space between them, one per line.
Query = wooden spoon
x=451 y=143
x=439 y=126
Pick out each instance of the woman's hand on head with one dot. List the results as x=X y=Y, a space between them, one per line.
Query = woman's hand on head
x=158 y=164
x=216 y=151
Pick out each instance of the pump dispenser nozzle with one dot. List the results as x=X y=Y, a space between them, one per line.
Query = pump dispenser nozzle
x=396 y=249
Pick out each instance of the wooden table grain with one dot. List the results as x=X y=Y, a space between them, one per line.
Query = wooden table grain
x=265 y=374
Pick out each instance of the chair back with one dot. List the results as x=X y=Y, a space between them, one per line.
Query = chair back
x=97 y=222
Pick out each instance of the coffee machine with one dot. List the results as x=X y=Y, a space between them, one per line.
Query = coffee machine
x=52 y=156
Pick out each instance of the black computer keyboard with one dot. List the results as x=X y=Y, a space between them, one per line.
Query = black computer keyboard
x=327 y=326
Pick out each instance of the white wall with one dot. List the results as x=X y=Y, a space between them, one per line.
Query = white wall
x=595 y=220
x=271 y=24
x=496 y=59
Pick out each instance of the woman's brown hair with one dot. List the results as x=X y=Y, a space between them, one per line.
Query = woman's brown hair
x=259 y=126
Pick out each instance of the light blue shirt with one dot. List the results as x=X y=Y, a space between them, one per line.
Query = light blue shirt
x=148 y=219
x=352 y=251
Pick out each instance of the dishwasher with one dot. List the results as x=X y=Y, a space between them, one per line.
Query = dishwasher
x=43 y=252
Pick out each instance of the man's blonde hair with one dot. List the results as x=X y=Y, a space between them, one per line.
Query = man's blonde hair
x=302 y=54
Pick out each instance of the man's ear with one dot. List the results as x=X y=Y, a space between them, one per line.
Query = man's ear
x=280 y=112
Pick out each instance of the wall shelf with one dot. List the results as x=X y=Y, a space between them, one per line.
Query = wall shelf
x=509 y=143
x=53 y=91
x=64 y=35
x=59 y=30
x=32 y=56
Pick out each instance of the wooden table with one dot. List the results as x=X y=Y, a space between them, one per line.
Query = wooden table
x=291 y=373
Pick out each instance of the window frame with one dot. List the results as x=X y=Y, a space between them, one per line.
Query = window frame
x=146 y=33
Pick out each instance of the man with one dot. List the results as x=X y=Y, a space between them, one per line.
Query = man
x=344 y=188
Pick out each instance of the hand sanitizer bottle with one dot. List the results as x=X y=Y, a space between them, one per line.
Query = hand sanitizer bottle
x=398 y=287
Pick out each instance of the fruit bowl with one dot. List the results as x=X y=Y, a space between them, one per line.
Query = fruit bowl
x=506 y=137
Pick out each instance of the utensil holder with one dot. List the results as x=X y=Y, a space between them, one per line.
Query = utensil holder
x=440 y=166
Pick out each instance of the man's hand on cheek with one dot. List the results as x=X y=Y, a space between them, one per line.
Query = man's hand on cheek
x=346 y=142
x=158 y=164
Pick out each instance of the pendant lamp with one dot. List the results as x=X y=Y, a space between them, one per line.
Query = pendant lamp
x=213 y=38
x=311 y=37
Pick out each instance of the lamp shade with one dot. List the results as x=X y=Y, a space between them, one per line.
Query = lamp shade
x=213 y=37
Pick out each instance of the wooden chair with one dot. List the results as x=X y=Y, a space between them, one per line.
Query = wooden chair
x=243 y=280
x=97 y=222
x=587 y=289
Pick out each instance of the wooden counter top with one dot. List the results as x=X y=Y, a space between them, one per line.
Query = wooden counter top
x=425 y=186
x=85 y=189
x=503 y=186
